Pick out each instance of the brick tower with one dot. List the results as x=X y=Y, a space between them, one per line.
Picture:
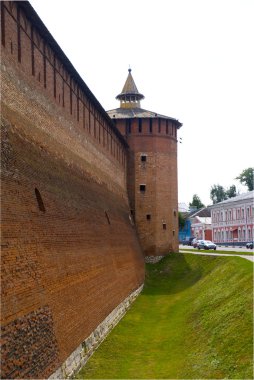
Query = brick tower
x=152 y=170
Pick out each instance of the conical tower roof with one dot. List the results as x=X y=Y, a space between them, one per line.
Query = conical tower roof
x=130 y=97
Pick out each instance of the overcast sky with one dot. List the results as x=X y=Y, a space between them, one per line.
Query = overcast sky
x=192 y=59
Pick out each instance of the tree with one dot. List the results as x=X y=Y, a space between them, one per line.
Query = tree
x=218 y=194
x=231 y=192
x=181 y=221
x=246 y=178
x=196 y=202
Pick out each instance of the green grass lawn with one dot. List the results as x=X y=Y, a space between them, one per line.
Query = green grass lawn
x=247 y=253
x=193 y=320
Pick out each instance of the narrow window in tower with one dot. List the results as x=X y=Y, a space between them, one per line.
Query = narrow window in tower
x=39 y=200
x=131 y=219
x=148 y=216
x=151 y=125
x=167 y=127
x=142 y=188
x=133 y=215
x=128 y=126
x=139 y=125
x=174 y=212
x=143 y=157
x=164 y=226
x=159 y=125
x=107 y=217
x=173 y=232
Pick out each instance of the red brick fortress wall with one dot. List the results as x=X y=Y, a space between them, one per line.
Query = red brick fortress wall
x=70 y=253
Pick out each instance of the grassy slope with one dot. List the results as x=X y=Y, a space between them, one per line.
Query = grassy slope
x=193 y=320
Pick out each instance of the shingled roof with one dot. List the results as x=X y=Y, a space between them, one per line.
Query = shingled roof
x=203 y=213
x=126 y=113
x=130 y=89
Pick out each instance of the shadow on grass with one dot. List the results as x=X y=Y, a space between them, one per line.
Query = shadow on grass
x=173 y=274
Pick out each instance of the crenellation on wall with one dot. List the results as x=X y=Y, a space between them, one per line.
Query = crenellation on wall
x=58 y=133
x=39 y=60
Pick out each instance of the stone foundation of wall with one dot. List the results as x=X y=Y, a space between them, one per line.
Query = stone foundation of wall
x=84 y=351
x=153 y=259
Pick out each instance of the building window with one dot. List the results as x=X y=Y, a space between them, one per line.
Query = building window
x=39 y=200
x=164 y=226
x=173 y=232
x=142 y=188
x=167 y=127
x=139 y=125
x=148 y=216
x=143 y=157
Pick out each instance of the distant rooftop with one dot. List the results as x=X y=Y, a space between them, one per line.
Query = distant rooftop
x=182 y=207
x=240 y=197
x=203 y=213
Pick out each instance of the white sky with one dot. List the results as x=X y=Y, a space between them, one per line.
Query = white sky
x=192 y=59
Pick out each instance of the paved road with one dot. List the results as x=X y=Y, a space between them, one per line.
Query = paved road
x=222 y=248
x=195 y=252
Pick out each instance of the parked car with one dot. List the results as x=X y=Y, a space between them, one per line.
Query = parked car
x=249 y=245
x=190 y=240
x=206 y=244
x=194 y=242
x=184 y=242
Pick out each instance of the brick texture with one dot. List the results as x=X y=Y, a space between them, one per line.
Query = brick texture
x=70 y=253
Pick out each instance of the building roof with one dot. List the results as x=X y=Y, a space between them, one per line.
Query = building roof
x=203 y=213
x=126 y=113
x=129 y=89
x=182 y=207
x=206 y=220
x=130 y=104
x=240 y=197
